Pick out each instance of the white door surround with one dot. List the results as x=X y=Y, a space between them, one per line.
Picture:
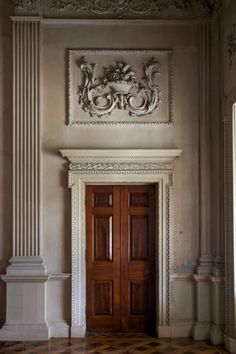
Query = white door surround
x=119 y=167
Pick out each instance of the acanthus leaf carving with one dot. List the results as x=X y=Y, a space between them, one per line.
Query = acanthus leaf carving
x=119 y=89
x=232 y=43
x=27 y=6
x=120 y=8
x=212 y=6
x=119 y=166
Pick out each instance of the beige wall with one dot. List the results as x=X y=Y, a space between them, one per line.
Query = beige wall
x=183 y=134
x=5 y=145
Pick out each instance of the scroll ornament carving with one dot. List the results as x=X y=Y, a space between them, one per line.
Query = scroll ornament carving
x=120 y=8
x=119 y=89
x=212 y=6
x=26 y=6
x=232 y=42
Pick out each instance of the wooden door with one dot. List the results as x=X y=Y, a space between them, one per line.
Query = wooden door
x=120 y=256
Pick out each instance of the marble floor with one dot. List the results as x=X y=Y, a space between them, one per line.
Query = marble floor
x=113 y=344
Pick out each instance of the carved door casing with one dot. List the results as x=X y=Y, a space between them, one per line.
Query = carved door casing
x=120 y=258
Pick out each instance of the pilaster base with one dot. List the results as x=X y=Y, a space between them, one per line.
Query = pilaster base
x=24 y=332
x=216 y=334
x=58 y=329
x=201 y=331
x=30 y=265
x=205 y=265
x=78 y=331
x=230 y=344
x=25 y=303
x=175 y=330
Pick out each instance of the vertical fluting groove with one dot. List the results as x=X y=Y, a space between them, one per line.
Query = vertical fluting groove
x=14 y=138
x=21 y=140
x=17 y=152
x=33 y=148
x=37 y=138
x=204 y=141
x=32 y=141
x=35 y=134
x=26 y=138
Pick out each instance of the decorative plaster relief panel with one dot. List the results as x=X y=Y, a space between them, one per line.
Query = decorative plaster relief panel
x=232 y=43
x=118 y=8
x=120 y=87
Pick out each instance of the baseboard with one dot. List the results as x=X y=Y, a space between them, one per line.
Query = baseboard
x=58 y=329
x=24 y=332
x=230 y=344
x=176 y=330
x=201 y=331
x=216 y=334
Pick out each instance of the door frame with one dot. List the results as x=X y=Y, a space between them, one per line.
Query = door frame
x=86 y=172
x=91 y=211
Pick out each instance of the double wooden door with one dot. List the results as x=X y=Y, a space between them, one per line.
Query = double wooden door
x=120 y=258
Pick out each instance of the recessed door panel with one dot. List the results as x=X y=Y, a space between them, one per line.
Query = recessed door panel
x=120 y=258
x=103 y=297
x=103 y=237
x=138 y=225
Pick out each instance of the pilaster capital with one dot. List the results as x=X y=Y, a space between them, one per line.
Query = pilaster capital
x=27 y=7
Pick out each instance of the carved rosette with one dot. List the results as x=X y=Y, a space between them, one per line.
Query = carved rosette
x=119 y=89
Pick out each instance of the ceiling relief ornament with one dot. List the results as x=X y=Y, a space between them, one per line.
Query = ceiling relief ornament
x=120 y=8
x=127 y=9
x=30 y=7
x=212 y=6
x=232 y=43
x=118 y=88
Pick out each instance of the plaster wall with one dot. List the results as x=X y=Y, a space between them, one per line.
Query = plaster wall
x=183 y=134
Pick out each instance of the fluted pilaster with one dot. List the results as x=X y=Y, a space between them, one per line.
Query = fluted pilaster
x=26 y=137
x=26 y=276
x=206 y=257
x=26 y=254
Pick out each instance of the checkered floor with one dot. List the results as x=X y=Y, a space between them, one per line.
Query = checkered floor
x=113 y=344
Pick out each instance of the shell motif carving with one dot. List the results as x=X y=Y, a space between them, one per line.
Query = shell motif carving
x=119 y=89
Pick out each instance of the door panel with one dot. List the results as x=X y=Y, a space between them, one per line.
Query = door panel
x=103 y=258
x=120 y=258
x=138 y=258
x=102 y=238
